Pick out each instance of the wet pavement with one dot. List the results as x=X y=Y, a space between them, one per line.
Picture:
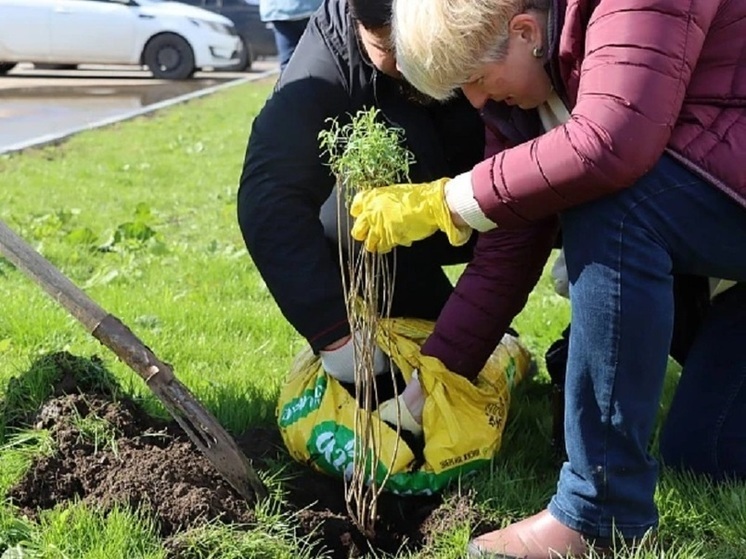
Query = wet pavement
x=40 y=104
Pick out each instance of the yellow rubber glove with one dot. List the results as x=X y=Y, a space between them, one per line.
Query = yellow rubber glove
x=400 y=214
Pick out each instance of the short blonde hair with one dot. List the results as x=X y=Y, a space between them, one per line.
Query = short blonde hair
x=440 y=44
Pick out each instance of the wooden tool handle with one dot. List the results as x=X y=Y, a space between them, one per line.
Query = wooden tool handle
x=38 y=268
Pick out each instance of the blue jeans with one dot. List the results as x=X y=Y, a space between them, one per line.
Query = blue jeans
x=621 y=252
x=287 y=35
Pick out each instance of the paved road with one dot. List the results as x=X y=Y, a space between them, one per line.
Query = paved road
x=46 y=104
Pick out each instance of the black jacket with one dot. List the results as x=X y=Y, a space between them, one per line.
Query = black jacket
x=285 y=180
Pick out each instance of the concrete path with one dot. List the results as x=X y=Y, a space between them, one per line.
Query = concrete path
x=39 y=107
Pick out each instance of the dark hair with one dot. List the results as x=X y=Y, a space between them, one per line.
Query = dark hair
x=371 y=14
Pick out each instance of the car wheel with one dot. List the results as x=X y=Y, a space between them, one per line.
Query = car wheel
x=169 y=57
x=247 y=57
x=6 y=67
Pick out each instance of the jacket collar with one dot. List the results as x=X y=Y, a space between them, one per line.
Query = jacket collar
x=555 y=22
x=337 y=30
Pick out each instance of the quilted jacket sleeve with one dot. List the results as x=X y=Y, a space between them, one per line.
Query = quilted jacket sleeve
x=637 y=60
x=492 y=290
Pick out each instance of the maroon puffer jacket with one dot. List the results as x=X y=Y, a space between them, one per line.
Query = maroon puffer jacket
x=641 y=76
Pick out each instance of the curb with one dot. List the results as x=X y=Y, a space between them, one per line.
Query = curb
x=58 y=137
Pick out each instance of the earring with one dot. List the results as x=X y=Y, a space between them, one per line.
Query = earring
x=538 y=52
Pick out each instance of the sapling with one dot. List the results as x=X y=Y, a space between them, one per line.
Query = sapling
x=364 y=153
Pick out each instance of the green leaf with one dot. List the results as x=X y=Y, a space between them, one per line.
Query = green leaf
x=81 y=236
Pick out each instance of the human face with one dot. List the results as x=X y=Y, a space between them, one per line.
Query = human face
x=519 y=78
x=378 y=47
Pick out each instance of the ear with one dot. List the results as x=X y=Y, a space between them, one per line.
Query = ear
x=527 y=28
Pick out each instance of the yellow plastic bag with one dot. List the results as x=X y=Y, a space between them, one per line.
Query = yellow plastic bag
x=463 y=422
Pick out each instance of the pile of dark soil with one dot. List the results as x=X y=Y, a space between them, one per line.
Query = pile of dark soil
x=109 y=451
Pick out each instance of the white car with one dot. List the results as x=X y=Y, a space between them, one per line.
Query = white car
x=173 y=40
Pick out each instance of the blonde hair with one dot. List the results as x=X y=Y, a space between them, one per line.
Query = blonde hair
x=440 y=44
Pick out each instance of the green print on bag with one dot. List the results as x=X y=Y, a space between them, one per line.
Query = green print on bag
x=331 y=448
x=308 y=401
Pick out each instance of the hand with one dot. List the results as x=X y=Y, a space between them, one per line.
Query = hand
x=338 y=359
x=403 y=213
x=407 y=413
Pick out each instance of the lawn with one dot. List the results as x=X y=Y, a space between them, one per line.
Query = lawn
x=141 y=216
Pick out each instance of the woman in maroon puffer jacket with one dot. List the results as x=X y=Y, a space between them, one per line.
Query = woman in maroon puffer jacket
x=628 y=119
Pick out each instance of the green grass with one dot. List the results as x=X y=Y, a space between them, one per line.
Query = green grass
x=77 y=531
x=141 y=215
x=272 y=538
x=96 y=431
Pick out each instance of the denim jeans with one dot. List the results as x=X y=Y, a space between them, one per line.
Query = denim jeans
x=621 y=252
x=287 y=35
